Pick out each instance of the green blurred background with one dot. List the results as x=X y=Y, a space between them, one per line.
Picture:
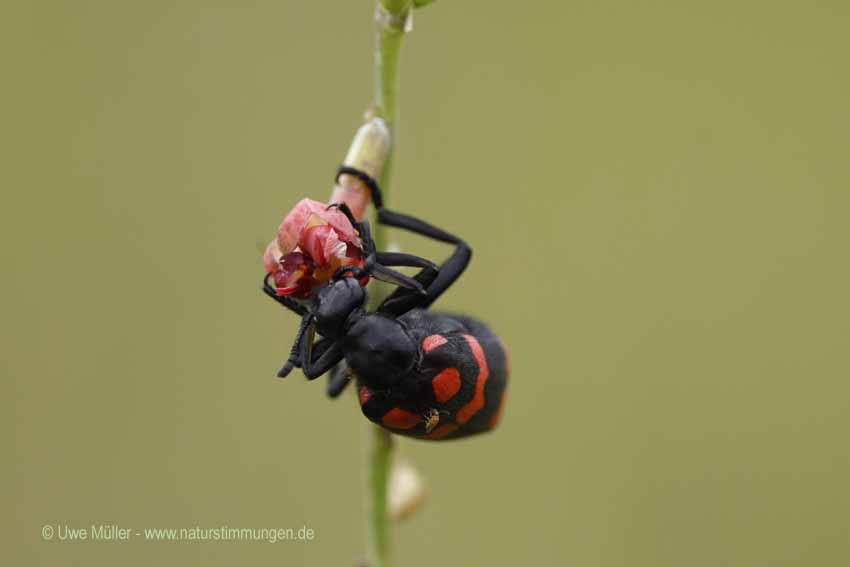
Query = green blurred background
x=657 y=194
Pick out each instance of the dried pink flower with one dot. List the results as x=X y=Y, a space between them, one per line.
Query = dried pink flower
x=313 y=241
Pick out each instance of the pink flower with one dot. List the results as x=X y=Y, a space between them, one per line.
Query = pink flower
x=312 y=243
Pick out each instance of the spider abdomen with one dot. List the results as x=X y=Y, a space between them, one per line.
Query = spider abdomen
x=456 y=389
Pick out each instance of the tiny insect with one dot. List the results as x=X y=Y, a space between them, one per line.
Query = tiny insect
x=432 y=419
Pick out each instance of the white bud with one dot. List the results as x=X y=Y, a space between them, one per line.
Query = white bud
x=407 y=490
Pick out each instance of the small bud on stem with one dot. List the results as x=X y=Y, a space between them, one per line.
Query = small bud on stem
x=368 y=152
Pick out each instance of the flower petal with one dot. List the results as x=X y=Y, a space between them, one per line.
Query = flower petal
x=312 y=242
x=294 y=276
x=333 y=247
x=308 y=212
x=272 y=257
x=342 y=226
x=290 y=229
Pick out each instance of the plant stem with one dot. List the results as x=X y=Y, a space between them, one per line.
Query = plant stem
x=390 y=20
x=379 y=461
x=391 y=17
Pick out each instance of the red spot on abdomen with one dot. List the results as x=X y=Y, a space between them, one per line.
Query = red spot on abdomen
x=364 y=394
x=466 y=412
x=441 y=431
x=398 y=418
x=446 y=384
x=431 y=342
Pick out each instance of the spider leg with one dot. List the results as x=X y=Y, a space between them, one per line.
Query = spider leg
x=377 y=268
x=403 y=300
x=400 y=259
x=438 y=283
x=385 y=274
x=344 y=209
x=365 y=230
x=438 y=280
x=339 y=380
x=287 y=302
x=380 y=272
x=367 y=179
x=315 y=363
x=362 y=227
x=294 y=353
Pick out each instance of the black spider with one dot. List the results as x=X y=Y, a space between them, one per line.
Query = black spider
x=374 y=344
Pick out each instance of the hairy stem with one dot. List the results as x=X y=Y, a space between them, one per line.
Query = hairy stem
x=391 y=17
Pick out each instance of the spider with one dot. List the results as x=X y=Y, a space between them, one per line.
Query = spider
x=420 y=373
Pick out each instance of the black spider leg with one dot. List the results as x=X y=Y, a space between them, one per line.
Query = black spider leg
x=340 y=378
x=293 y=361
x=374 y=267
x=401 y=301
x=367 y=179
x=377 y=262
x=294 y=353
x=287 y=302
x=315 y=362
x=346 y=210
x=402 y=259
x=381 y=270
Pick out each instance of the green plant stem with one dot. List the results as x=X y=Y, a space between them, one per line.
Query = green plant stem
x=379 y=462
x=390 y=19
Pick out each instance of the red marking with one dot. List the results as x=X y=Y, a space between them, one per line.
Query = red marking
x=497 y=415
x=441 y=431
x=446 y=384
x=431 y=342
x=364 y=395
x=398 y=418
x=465 y=413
